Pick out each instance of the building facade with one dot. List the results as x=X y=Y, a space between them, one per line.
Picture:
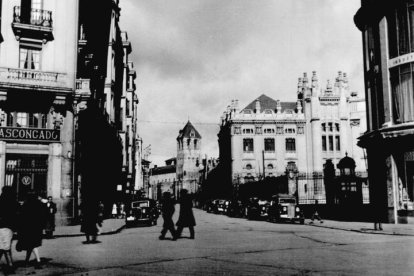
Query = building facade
x=188 y=158
x=163 y=179
x=61 y=88
x=387 y=28
x=269 y=138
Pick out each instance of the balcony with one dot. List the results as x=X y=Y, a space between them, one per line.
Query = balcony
x=37 y=25
x=83 y=88
x=27 y=77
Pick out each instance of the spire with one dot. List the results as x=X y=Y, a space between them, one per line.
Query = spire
x=314 y=79
x=278 y=107
x=305 y=80
x=299 y=106
x=328 y=87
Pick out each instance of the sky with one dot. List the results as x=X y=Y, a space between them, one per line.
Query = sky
x=193 y=57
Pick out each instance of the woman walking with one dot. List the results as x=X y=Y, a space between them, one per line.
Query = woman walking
x=186 y=217
x=31 y=224
x=8 y=213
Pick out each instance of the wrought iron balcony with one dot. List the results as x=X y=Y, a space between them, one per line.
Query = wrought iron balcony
x=36 y=25
x=26 y=77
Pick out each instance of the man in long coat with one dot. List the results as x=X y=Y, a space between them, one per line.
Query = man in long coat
x=50 y=218
x=186 y=217
x=167 y=210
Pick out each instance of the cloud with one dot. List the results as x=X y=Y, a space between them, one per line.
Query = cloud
x=194 y=56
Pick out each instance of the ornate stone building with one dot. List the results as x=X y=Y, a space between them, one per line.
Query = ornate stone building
x=271 y=138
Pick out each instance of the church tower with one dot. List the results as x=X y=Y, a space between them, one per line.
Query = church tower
x=188 y=158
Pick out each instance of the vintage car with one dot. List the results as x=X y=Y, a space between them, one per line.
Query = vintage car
x=211 y=206
x=283 y=207
x=142 y=211
x=222 y=206
x=235 y=209
x=257 y=209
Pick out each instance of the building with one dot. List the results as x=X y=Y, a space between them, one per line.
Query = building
x=163 y=179
x=188 y=158
x=386 y=28
x=61 y=88
x=270 y=138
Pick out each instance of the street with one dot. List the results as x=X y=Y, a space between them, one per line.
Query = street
x=228 y=246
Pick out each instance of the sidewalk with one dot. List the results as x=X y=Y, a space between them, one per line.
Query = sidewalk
x=366 y=227
x=109 y=226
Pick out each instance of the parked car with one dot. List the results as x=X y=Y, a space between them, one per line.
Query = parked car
x=283 y=207
x=142 y=211
x=221 y=206
x=235 y=209
x=257 y=208
x=211 y=206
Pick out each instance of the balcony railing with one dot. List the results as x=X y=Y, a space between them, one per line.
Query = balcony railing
x=35 y=25
x=32 y=77
x=37 y=17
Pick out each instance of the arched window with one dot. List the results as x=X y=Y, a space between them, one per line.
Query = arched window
x=270 y=166
x=248 y=166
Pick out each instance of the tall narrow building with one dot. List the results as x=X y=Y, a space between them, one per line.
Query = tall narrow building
x=188 y=158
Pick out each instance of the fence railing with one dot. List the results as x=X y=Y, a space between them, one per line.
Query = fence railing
x=37 y=17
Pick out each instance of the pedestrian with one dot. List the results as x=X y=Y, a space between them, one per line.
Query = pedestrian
x=8 y=215
x=315 y=213
x=50 y=218
x=186 y=216
x=114 y=211
x=31 y=225
x=90 y=221
x=167 y=210
x=377 y=214
x=122 y=210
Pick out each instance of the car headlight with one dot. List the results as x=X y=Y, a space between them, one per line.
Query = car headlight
x=144 y=211
x=297 y=209
x=284 y=208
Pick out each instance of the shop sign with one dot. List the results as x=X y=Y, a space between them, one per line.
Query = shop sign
x=29 y=134
x=26 y=180
x=401 y=60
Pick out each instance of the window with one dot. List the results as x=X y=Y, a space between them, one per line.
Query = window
x=290 y=144
x=323 y=127
x=37 y=4
x=290 y=130
x=195 y=143
x=269 y=131
x=247 y=111
x=330 y=143
x=21 y=119
x=268 y=111
x=29 y=58
x=337 y=143
x=403 y=93
x=248 y=166
x=270 y=166
x=324 y=143
x=248 y=145
x=269 y=144
x=248 y=131
x=188 y=142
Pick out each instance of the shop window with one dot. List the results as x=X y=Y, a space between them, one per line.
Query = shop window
x=290 y=144
x=269 y=144
x=248 y=145
x=22 y=120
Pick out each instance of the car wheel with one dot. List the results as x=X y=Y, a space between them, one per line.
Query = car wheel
x=302 y=221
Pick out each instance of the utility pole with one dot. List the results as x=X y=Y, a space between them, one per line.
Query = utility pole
x=263 y=160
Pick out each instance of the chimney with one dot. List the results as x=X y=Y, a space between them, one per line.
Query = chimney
x=257 y=106
x=305 y=80
x=278 y=107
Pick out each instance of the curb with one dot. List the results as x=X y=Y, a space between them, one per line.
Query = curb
x=362 y=231
x=112 y=232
